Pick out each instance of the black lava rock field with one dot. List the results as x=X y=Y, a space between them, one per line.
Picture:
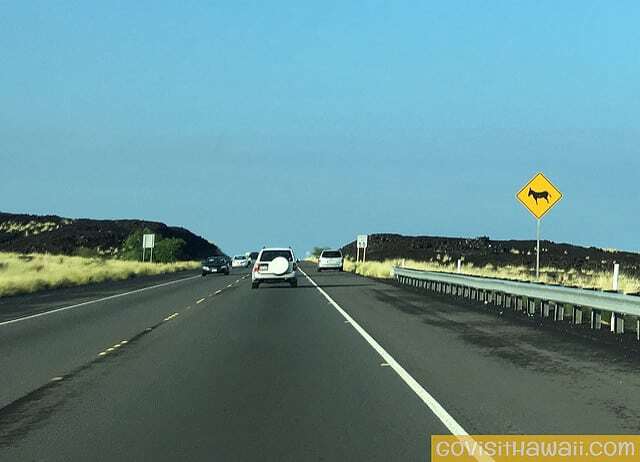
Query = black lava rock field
x=483 y=251
x=57 y=235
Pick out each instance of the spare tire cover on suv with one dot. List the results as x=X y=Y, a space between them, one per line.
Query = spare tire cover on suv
x=279 y=266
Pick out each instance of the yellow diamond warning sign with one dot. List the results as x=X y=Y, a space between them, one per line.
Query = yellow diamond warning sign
x=539 y=195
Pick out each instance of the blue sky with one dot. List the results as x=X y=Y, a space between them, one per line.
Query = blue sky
x=300 y=123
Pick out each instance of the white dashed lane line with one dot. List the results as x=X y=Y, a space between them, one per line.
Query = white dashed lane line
x=113 y=348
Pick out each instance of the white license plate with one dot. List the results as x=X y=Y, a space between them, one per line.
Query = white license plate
x=214 y=270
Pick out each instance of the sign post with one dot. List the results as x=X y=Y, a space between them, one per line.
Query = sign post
x=148 y=242
x=538 y=196
x=362 y=244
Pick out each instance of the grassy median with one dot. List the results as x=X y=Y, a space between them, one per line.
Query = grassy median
x=20 y=274
x=567 y=277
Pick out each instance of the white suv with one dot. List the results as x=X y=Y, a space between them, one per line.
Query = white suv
x=274 y=265
x=330 y=259
x=240 y=261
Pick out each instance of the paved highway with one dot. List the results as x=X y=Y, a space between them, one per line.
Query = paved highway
x=341 y=368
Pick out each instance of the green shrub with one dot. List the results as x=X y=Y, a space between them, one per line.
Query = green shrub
x=168 y=250
x=132 y=245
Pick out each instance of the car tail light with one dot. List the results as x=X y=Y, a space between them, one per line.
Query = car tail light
x=255 y=268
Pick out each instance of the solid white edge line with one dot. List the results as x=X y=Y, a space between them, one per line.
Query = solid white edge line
x=440 y=412
x=110 y=297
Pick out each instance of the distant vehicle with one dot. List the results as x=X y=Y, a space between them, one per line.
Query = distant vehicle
x=274 y=265
x=330 y=259
x=240 y=261
x=215 y=265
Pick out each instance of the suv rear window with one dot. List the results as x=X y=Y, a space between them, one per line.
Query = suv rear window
x=331 y=254
x=269 y=255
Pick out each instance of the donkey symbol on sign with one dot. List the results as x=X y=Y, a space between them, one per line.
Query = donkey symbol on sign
x=539 y=195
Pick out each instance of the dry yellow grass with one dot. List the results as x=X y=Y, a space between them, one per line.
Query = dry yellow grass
x=30 y=273
x=572 y=277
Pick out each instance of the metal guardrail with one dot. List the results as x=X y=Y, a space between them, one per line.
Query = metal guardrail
x=544 y=294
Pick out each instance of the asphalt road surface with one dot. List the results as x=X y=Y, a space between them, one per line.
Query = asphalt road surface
x=349 y=370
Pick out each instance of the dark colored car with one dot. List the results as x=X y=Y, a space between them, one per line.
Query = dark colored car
x=253 y=256
x=215 y=265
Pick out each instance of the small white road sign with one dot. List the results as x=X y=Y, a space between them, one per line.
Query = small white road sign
x=148 y=241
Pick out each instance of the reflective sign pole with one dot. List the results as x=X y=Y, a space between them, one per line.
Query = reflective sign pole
x=538 y=249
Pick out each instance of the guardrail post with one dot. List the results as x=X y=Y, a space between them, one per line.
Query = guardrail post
x=558 y=311
x=544 y=309
x=531 y=307
x=577 y=315
x=596 y=319
x=508 y=300
x=617 y=323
